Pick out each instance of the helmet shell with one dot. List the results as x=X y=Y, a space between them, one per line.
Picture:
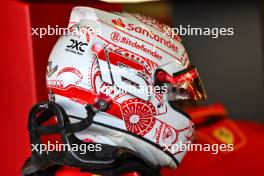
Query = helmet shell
x=100 y=50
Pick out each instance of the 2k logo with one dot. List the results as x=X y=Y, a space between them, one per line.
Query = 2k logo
x=51 y=70
x=75 y=44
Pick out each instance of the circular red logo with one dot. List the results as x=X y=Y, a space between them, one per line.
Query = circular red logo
x=115 y=36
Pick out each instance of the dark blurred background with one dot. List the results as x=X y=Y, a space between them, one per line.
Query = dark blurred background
x=231 y=66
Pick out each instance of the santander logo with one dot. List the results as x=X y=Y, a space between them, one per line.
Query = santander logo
x=146 y=32
x=158 y=38
x=152 y=35
x=119 y=22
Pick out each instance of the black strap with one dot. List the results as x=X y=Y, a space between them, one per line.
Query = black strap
x=112 y=159
x=69 y=128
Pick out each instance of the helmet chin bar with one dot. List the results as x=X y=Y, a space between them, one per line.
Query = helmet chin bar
x=110 y=159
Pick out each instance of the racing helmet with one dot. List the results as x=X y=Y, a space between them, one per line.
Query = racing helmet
x=139 y=68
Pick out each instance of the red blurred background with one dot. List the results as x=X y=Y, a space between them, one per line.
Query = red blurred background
x=23 y=65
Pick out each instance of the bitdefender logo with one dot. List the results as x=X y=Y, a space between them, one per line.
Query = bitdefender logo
x=132 y=27
x=118 y=22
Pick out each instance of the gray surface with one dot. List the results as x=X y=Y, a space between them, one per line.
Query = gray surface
x=231 y=67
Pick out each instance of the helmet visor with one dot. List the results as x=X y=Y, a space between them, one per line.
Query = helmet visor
x=183 y=85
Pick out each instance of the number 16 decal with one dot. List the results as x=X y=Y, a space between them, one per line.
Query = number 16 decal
x=119 y=70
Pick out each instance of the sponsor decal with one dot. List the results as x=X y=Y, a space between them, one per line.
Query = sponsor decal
x=59 y=83
x=116 y=37
x=51 y=70
x=151 y=35
x=148 y=33
x=118 y=23
x=55 y=83
x=76 y=47
x=165 y=29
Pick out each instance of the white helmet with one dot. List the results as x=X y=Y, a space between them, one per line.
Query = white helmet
x=140 y=67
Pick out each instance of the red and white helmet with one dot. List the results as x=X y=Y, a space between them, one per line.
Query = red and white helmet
x=140 y=67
